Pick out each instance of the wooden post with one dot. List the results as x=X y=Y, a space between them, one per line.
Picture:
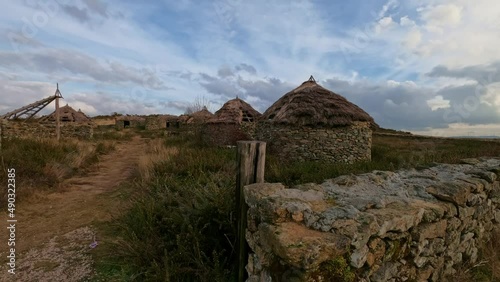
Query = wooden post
x=58 y=122
x=251 y=162
x=1 y=133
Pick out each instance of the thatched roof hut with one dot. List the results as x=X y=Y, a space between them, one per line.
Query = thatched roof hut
x=68 y=114
x=314 y=123
x=235 y=111
x=312 y=105
x=235 y=121
x=200 y=116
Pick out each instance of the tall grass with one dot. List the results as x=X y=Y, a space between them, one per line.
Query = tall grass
x=182 y=227
x=44 y=164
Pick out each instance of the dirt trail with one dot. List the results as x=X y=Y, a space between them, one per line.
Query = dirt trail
x=52 y=226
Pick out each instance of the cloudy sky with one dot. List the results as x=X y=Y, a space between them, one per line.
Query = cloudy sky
x=428 y=67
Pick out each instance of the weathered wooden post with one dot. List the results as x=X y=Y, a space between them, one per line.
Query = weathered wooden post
x=58 y=122
x=1 y=133
x=251 y=162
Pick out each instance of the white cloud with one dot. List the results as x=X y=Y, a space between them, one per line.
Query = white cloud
x=406 y=21
x=389 y=5
x=441 y=16
x=412 y=39
x=438 y=103
x=384 y=24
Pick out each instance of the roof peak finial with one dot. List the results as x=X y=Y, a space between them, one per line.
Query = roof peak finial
x=312 y=79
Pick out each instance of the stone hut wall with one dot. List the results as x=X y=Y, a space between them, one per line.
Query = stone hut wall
x=223 y=134
x=410 y=225
x=155 y=123
x=120 y=124
x=14 y=129
x=345 y=144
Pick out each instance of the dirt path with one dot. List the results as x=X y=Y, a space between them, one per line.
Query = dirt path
x=52 y=232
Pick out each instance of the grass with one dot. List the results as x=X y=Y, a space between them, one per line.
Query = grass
x=181 y=227
x=44 y=164
x=110 y=133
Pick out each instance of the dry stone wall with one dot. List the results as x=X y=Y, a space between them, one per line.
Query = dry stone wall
x=228 y=133
x=345 y=144
x=45 y=130
x=154 y=123
x=410 y=225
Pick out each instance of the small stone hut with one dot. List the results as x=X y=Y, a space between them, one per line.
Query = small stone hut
x=314 y=123
x=161 y=122
x=67 y=114
x=129 y=121
x=189 y=123
x=200 y=117
x=235 y=121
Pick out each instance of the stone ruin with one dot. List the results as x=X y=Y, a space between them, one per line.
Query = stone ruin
x=410 y=225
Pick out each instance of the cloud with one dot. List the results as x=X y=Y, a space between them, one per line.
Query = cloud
x=225 y=71
x=483 y=74
x=384 y=24
x=62 y=61
x=219 y=86
x=438 y=103
x=77 y=13
x=248 y=68
x=97 y=6
x=441 y=16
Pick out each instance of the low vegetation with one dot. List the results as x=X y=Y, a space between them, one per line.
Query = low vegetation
x=44 y=164
x=182 y=225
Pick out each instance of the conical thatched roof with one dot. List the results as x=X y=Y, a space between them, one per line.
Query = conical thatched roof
x=235 y=111
x=312 y=105
x=68 y=114
x=202 y=115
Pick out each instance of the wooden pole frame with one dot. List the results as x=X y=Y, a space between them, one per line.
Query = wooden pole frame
x=58 y=121
x=251 y=159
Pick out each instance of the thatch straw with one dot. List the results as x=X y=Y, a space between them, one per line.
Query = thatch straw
x=67 y=113
x=200 y=116
x=235 y=111
x=312 y=105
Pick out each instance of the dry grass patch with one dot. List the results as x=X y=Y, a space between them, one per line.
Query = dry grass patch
x=43 y=164
x=156 y=152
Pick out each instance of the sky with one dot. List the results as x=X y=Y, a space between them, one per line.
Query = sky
x=430 y=67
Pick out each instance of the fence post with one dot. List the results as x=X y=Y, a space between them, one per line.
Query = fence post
x=251 y=162
x=1 y=133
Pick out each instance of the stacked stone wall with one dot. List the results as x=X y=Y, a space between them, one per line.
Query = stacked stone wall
x=345 y=144
x=155 y=123
x=410 y=225
x=228 y=133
